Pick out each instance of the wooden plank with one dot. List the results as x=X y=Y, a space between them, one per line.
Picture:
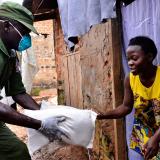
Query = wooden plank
x=71 y=54
x=72 y=82
x=97 y=86
x=119 y=126
x=76 y=102
x=78 y=78
x=66 y=79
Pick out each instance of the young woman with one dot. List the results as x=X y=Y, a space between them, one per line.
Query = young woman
x=141 y=91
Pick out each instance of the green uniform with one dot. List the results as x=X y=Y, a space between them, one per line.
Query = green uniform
x=11 y=148
x=10 y=76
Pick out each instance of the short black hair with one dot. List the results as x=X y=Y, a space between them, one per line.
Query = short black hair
x=147 y=44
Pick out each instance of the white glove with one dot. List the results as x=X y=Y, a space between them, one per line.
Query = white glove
x=50 y=128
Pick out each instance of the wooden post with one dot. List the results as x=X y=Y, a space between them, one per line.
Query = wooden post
x=117 y=90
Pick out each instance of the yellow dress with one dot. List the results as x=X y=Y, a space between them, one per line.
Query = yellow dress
x=147 y=111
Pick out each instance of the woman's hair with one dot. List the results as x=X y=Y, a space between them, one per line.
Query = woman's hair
x=147 y=44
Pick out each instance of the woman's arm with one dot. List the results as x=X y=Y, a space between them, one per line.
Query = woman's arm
x=125 y=108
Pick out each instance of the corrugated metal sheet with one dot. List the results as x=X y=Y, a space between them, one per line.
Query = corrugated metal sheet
x=42 y=9
x=43 y=5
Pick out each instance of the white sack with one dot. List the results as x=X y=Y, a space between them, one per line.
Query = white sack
x=79 y=125
x=8 y=100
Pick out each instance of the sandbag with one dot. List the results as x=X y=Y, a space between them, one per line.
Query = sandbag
x=79 y=125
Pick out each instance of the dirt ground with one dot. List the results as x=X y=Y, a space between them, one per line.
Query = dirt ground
x=53 y=151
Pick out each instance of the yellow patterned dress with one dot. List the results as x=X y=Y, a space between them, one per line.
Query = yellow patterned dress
x=147 y=111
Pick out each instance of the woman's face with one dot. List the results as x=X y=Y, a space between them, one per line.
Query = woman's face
x=137 y=59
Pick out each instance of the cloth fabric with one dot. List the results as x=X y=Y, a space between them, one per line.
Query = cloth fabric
x=79 y=125
x=10 y=76
x=11 y=147
x=146 y=116
x=29 y=68
x=19 y=13
x=77 y=17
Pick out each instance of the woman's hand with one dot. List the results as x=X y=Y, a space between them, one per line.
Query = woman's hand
x=101 y=117
x=151 y=148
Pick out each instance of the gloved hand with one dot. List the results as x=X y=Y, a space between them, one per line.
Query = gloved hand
x=50 y=128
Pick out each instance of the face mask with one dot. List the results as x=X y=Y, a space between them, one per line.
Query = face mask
x=25 y=41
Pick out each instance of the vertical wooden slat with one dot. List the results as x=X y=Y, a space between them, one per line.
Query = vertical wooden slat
x=119 y=129
x=75 y=91
x=72 y=81
x=65 y=74
x=79 y=81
